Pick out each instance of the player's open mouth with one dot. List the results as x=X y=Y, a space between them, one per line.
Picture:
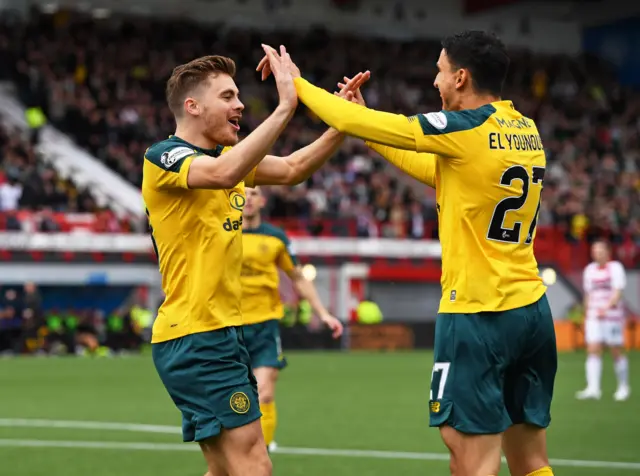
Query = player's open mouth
x=235 y=123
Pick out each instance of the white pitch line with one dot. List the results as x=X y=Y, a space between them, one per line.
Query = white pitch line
x=88 y=425
x=361 y=453
x=442 y=457
x=100 y=445
x=140 y=446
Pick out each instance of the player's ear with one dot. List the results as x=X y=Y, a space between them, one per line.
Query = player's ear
x=192 y=107
x=462 y=78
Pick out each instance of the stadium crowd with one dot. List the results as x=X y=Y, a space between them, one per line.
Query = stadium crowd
x=102 y=82
x=34 y=198
x=28 y=185
x=28 y=326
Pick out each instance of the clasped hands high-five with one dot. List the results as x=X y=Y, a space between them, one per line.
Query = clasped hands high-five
x=285 y=71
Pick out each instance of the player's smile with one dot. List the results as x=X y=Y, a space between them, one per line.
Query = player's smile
x=235 y=122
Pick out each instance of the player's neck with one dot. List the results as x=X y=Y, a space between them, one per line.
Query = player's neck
x=194 y=137
x=475 y=101
x=251 y=223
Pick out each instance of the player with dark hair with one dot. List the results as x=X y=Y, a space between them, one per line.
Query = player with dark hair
x=495 y=349
x=194 y=190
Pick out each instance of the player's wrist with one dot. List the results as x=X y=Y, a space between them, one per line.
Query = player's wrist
x=325 y=316
x=335 y=134
x=285 y=108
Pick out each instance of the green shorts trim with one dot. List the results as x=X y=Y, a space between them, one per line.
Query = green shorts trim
x=208 y=376
x=264 y=344
x=494 y=369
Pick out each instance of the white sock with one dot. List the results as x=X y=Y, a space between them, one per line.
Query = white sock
x=621 y=367
x=594 y=372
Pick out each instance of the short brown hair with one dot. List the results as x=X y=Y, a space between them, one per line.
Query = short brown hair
x=186 y=77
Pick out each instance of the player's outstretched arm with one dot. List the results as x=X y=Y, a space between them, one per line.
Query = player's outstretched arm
x=231 y=168
x=353 y=119
x=435 y=133
x=345 y=116
x=307 y=290
x=288 y=263
x=301 y=164
x=443 y=133
x=419 y=165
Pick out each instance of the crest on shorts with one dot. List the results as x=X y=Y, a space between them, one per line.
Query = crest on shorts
x=240 y=403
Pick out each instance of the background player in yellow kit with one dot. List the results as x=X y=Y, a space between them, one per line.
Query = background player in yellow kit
x=193 y=188
x=267 y=249
x=495 y=351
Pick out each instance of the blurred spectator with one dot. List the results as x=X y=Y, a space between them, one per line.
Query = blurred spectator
x=27 y=328
x=12 y=222
x=10 y=194
x=60 y=335
x=10 y=322
x=29 y=185
x=417 y=218
x=87 y=331
x=32 y=299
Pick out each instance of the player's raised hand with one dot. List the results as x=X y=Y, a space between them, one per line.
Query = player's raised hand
x=290 y=65
x=334 y=324
x=280 y=69
x=350 y=89
x=264 y=66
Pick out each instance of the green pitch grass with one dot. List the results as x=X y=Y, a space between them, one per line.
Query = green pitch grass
x=326 y=401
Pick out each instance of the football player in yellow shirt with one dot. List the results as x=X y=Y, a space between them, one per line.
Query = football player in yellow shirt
x=267 y=249
x=495 y=351
x=194 y=191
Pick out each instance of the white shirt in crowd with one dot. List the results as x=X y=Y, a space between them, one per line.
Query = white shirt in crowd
x=599 y=284
x=10 y=196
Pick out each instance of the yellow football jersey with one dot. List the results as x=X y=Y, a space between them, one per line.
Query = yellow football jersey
x=420 y=165
x=490 y=168
x=197 y=235
x=266 y=248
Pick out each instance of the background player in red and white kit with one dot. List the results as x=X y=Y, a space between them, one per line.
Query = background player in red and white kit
x=604 y=281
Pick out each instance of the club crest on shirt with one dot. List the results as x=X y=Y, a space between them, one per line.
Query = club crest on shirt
x=237 y=201
x=240 y=403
